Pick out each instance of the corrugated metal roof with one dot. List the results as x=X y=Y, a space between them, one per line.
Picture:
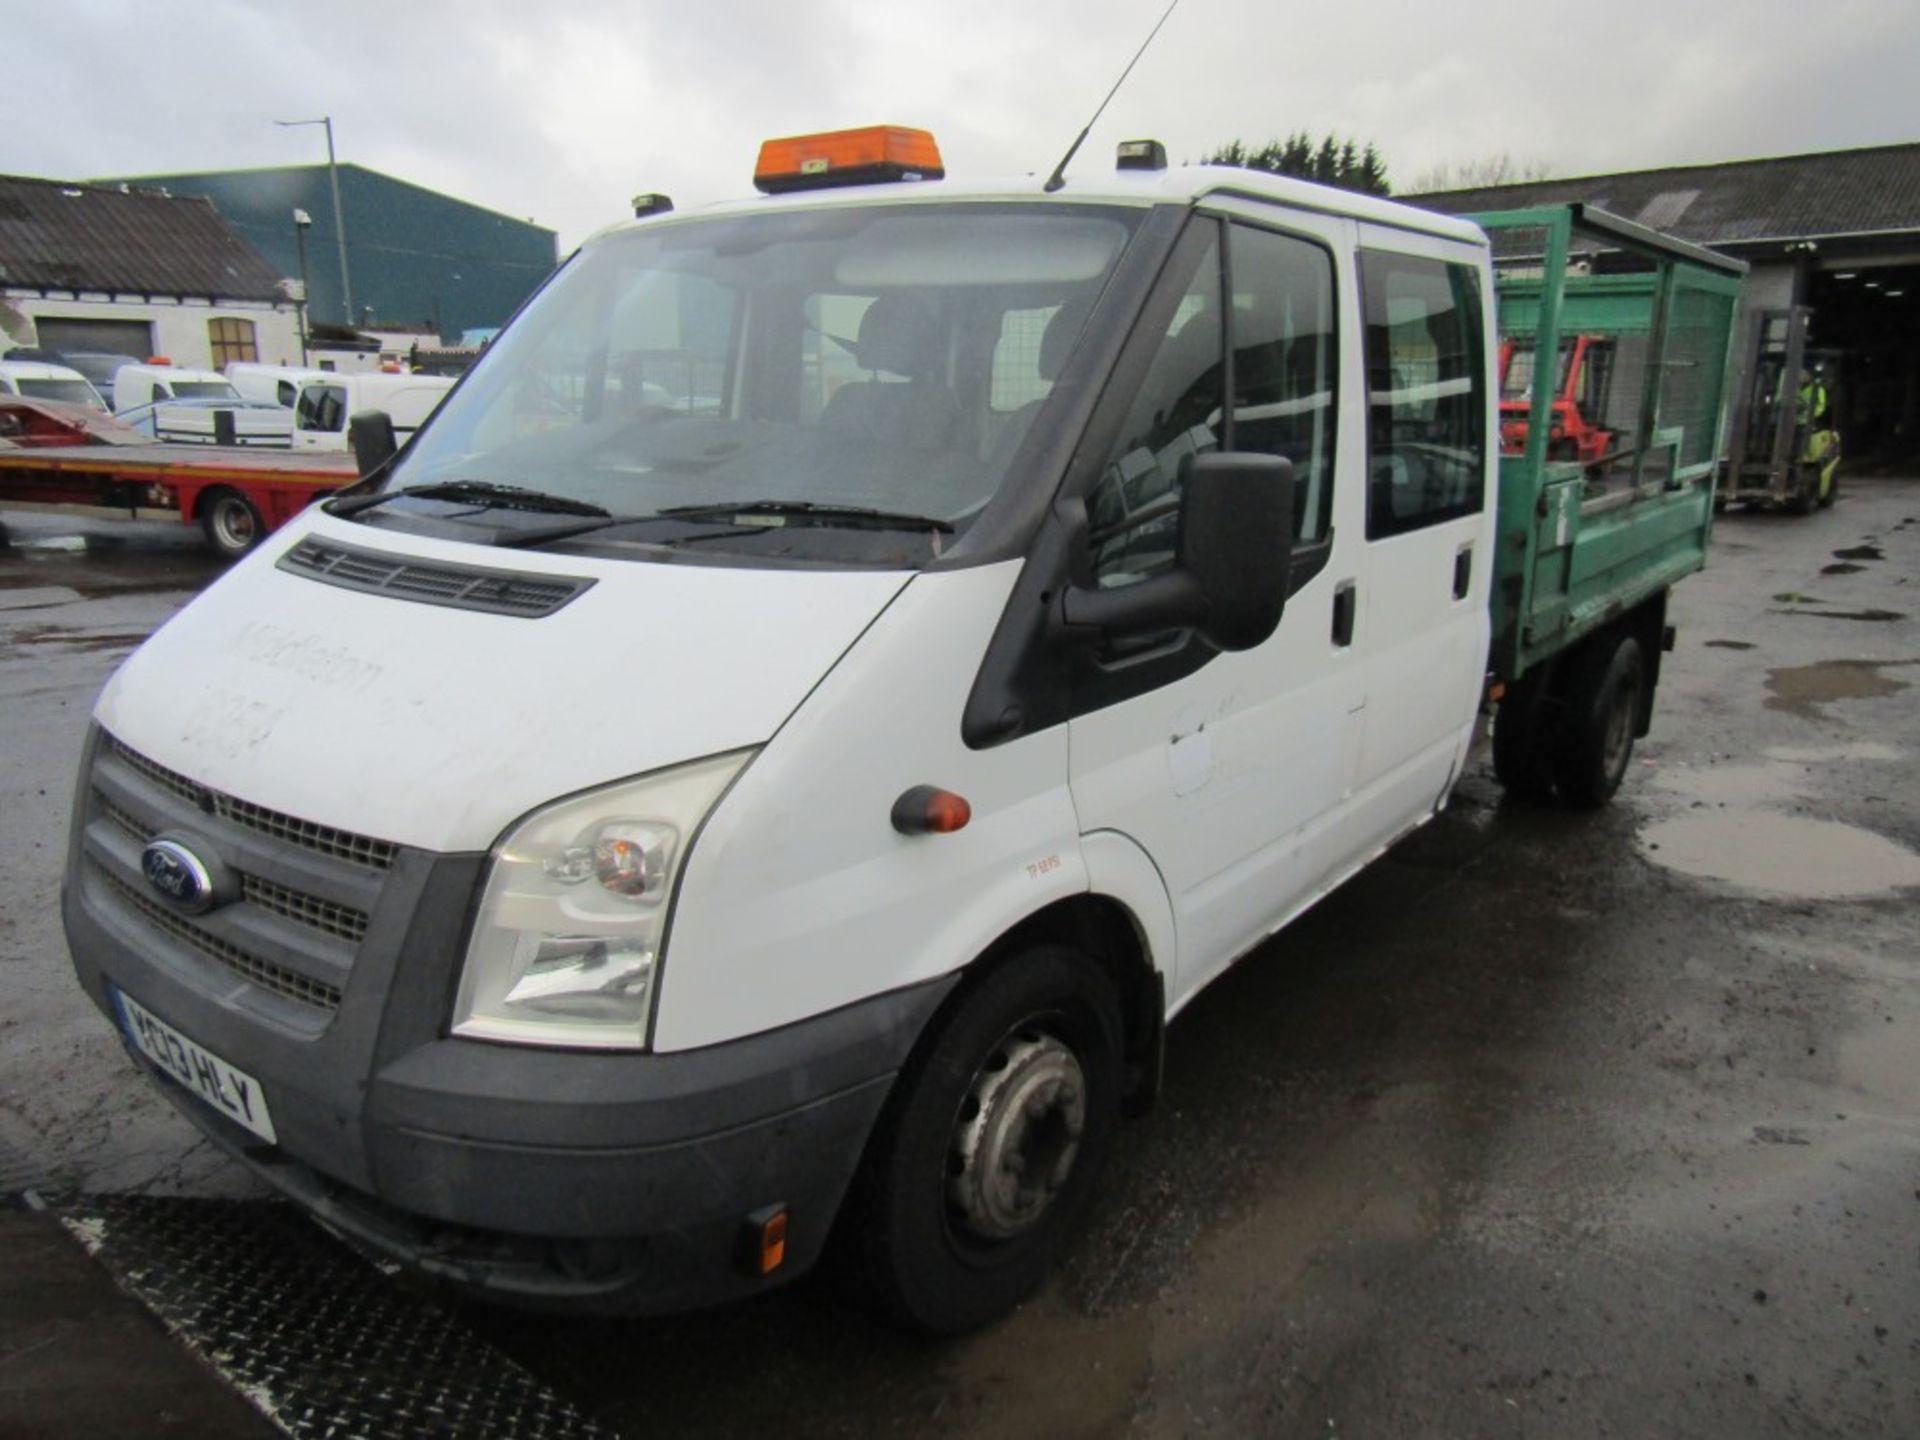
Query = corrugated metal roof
x=59 y=236
x=1790 y=197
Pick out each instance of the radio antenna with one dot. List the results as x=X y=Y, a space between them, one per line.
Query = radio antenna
x=1059 y=176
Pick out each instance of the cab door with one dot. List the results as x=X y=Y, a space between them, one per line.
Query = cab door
x=1232 y=771
x=1429 y=517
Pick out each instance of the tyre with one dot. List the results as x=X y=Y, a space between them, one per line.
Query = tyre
x=986 y=1155
x=1595 y=740
x=1522 y=734
x=231 y=524
x=1806 y=490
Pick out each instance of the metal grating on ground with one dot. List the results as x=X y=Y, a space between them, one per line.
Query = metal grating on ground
x=321 y=1342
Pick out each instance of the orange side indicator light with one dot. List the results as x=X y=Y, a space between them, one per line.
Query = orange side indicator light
x=929 y=810
x=763 y=1247
x=872 y=155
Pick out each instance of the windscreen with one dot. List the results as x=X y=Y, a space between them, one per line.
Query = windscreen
x=73 y=392
x=880 y=357
x=204 y=390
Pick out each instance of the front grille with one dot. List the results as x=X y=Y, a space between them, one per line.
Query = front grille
x=464 y=587
x=324 y=915
x=341 y=844
x=341 y=920
x=263 y=973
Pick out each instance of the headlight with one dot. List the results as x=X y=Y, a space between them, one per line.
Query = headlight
x=566 y=945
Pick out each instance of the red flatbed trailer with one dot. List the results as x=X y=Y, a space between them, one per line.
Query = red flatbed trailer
x=235 y=496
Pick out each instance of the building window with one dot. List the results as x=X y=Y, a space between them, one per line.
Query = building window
x=231 y=340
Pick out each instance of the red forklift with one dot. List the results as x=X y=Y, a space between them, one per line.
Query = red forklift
x=1582 y=382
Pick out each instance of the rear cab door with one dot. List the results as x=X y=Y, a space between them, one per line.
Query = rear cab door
x=1426 y=305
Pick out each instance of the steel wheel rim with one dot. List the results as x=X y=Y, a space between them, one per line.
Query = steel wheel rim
x=1016 y=1137
x=234 y=522
x=1619 y=732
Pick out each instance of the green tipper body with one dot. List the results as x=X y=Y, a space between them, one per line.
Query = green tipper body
x=1582 y=541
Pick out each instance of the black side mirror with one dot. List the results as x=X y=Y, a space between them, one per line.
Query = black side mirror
x=1229 y=578
x=370 y=433
x=1236 y=532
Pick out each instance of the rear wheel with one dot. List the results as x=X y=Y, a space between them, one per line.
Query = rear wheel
x=1522 y=740
x=986 y=1156
x=1595 y=739
x=231 y=523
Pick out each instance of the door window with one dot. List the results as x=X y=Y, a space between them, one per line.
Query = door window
x=1176 y=414
x=1426 y=395
x=1284 y=368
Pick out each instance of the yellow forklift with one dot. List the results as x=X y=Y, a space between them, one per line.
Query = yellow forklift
x=1784 y=449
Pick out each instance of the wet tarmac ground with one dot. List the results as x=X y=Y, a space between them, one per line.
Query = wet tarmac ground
x=1547 y=1125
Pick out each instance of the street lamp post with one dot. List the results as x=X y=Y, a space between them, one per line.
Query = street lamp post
x=339 y=215
x=302 y=222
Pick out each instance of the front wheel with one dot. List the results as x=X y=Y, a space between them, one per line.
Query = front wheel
x=987 y=1153
x=231 y=523
x=1602 y=713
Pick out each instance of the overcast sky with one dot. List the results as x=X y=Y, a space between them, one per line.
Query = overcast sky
x=560 y=111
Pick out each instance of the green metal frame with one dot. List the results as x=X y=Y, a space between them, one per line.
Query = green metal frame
x=1570 y=561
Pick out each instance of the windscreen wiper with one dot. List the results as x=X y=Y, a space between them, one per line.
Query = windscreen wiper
x=478 y=492
x=812 y=512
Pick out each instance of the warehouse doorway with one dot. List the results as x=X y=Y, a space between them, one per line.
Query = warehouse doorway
x=107 y=337
x=1870 y=312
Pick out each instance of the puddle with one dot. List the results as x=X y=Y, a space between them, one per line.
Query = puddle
x=1825 y=754
x=1794 y=597
x=37 y=597
x=1877 y=617
x=1733 y=784
x=1860 y=552
x=1841 y=568
x=1730 y=645
x=1803 y=689
x=78 y=639
x=1782 y=855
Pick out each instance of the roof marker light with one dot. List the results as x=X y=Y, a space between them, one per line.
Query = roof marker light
x=873 y=155
x=1140 y=155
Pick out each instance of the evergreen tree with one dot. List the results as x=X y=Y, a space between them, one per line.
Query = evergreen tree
x=1331 y=160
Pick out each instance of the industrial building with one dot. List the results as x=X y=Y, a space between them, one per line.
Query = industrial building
x=105 y=268
x=1838 y=231
x=414 y=258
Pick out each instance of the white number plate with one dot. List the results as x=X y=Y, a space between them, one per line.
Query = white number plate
x=230 y=1090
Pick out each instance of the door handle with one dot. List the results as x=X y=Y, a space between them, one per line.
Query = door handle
x=1462 y=571
x=1343 y=604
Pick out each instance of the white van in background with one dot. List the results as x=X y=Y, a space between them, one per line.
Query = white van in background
x=135 y=385
x=39 y=380
x=275 y=384
x=324 y=406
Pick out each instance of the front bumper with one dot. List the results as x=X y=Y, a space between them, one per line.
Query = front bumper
x=606 y=1181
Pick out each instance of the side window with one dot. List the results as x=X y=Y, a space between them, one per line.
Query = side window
x=1426 y=397
x=1284 y=370
x=321 y=407
x=1178 y=412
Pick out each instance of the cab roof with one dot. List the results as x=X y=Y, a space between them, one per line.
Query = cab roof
x=1183 y=185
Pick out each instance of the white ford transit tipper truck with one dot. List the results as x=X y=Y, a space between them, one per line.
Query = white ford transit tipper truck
x=841 y=672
